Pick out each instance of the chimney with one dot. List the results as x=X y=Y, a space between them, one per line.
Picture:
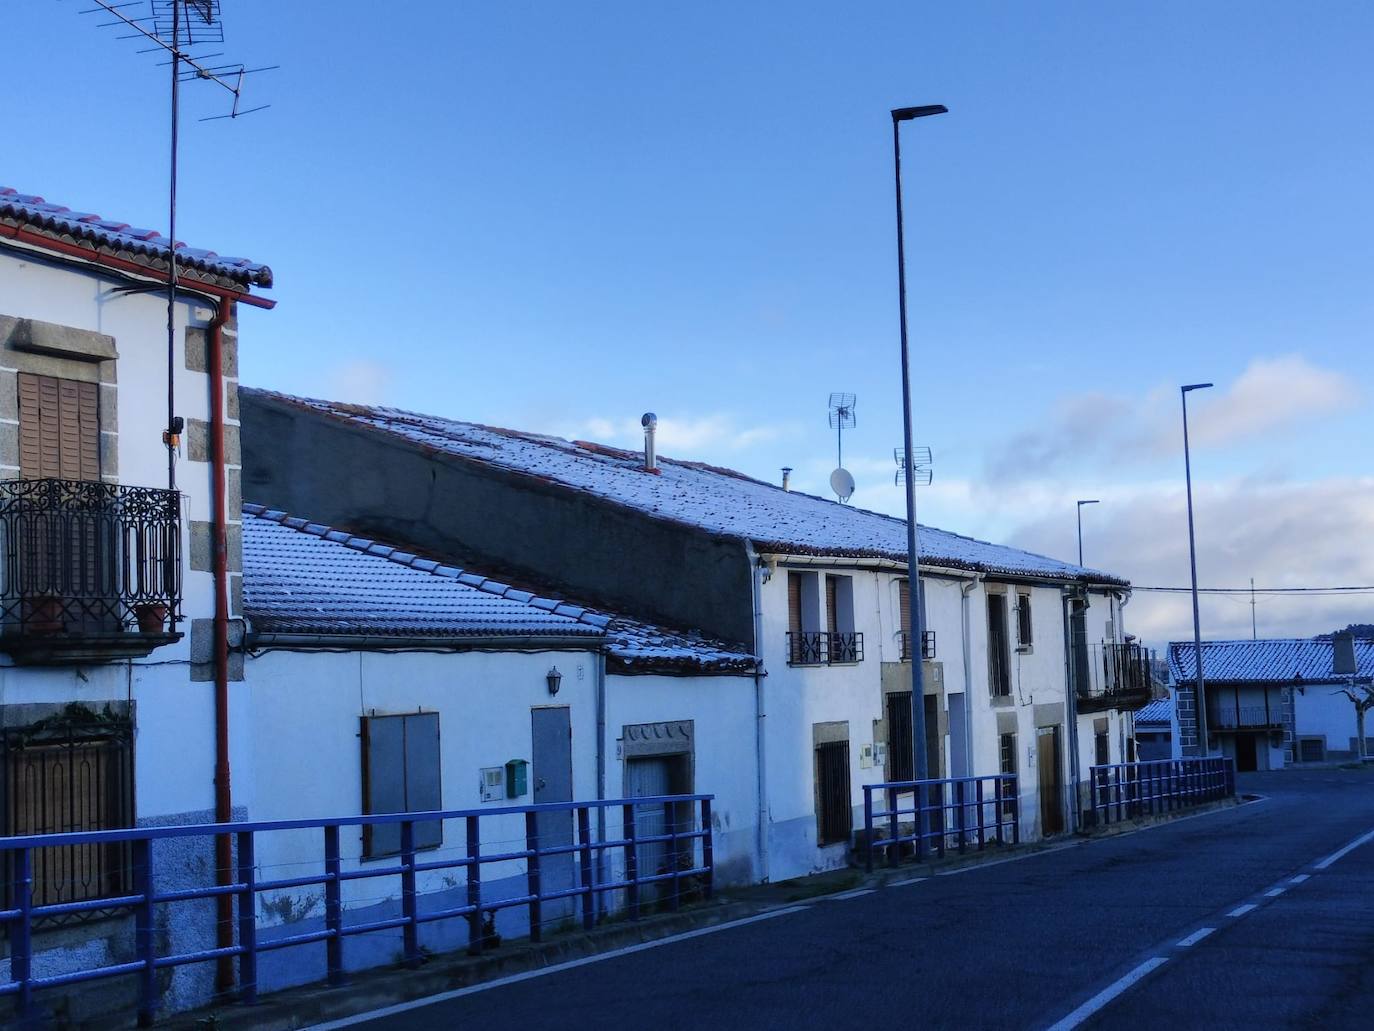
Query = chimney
x=787 y=477
x=650 y=424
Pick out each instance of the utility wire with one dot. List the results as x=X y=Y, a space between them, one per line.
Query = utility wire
x=1328 y=591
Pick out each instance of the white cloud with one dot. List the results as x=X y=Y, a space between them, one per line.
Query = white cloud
x=1095 y=429
x=693 y=438
x=361 y=381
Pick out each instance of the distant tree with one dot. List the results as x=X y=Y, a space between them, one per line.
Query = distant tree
x=1360 y=631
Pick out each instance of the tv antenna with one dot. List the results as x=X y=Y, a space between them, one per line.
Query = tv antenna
x=179 y=30
x=922 y=466
x=841 y=419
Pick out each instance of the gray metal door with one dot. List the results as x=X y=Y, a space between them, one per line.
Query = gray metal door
x=551 y=732
x=958 y=737
x=645 y=778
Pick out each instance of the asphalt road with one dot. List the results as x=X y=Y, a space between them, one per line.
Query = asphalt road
x=1108 y=934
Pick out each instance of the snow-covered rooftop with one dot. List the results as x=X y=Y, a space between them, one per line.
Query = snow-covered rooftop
x=1161 y=710
x=307 y=578
x=718 y=501
x=1299 y=660
x=144 y=245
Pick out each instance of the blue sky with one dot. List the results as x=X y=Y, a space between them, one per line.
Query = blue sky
x=556 y=216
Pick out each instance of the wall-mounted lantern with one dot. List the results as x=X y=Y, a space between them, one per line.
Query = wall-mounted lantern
x=554 y=678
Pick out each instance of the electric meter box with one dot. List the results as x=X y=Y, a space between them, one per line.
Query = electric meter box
x=517 y=779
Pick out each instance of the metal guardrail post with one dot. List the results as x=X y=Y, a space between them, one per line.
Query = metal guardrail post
x=962 y=820
x=982 y=839
x=894 y=829
x=584 y=851
x=868 y=828
x=708 y=848
x=248 y=920
x=21 y=935
x=1015 y=810
x=941 y=813
x=631 y=862
x=920 y=815
x=142 y=859
x=474 y=847
x=410 y=930
x=532 y=885
x=333 y=906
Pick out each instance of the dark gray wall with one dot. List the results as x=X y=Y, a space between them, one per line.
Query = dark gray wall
x=321 y=468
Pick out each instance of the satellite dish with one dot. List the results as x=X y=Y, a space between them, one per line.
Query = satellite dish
x=842 y=483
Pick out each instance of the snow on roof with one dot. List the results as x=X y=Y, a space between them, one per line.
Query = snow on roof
x=146 y=246
x=1161 y=710
x=1298 y=660
x=718 y=501
x=307 y=578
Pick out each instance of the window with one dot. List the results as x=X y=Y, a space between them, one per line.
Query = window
x=59 y=428
x=806 y=645
x=899 y=758
x=1023 y=622
x=834 y=817
x=400 y=775
x=1103 y=743
x=905 y=627
x=71 y=773
x=999 y=659
x=1007 y=750
x=844 y=644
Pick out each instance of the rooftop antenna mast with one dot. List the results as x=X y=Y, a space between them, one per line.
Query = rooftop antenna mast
x=922 y=466
x=841 y=419
x=179 y=30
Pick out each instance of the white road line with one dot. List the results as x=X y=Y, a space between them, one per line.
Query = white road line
x=909 y=880
x=1195 y=937
x=841 y=896
x=1108 y=994
x=1242 y=910
x=406 y=1007
x=1299 y=878
x=1274 y=893
x=1341 y=852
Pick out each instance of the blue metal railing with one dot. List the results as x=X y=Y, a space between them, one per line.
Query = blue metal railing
x=1124 y=791
x=971 y=810
x=682 y=833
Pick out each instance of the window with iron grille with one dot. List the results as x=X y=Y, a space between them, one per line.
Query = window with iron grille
x=71 y=772
x=1006 y=744
x=899 y=757
x=1103 y=744
x=834 y=817
x=999 y=659
x=1024 y=635
x=400 y=775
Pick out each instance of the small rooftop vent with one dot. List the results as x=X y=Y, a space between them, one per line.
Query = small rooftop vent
x=650 y=423
x=787 y=477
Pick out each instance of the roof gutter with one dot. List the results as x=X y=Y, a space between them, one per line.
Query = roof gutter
x=125 y=266
x=380 y=642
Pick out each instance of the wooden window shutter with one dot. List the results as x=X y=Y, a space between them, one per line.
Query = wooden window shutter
x=904 y=607
x=59 y=428
x=831 y=604
x=794 y=603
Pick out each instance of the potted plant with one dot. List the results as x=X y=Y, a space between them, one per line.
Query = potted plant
x=151 y=616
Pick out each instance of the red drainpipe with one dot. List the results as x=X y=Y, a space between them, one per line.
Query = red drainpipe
x=220 y=550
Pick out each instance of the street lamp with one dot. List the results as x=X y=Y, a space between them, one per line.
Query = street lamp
x=913 y=562
x=1092 y=501
x=1200 y=700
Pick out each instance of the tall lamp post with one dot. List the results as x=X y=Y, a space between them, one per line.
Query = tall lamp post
x=1200 y=700
x=913 y=562
x=1092 y=501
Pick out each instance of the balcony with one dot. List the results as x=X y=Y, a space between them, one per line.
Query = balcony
x=1221 y=716
x=927 y=645
x=1112 y=676
x=89 y=572
x=822 y=649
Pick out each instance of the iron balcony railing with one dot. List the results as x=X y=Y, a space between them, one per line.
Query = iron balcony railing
x=927 y=644
x=934 y=815
x=501 y=864
x=1124 y=791
x=822 y=649
x=81 y=557
x=1221 y=716
x=1112 y=676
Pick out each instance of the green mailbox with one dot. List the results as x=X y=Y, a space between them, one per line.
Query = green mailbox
x=517 y=780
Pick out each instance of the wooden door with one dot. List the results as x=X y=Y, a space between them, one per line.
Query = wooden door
x=1048 y=763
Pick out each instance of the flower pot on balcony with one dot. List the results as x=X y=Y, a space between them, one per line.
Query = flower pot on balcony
x=43 y=614
x=152 y=617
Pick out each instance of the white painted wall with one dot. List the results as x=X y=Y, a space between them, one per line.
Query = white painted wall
x=1321 y=710
x=721 y=709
